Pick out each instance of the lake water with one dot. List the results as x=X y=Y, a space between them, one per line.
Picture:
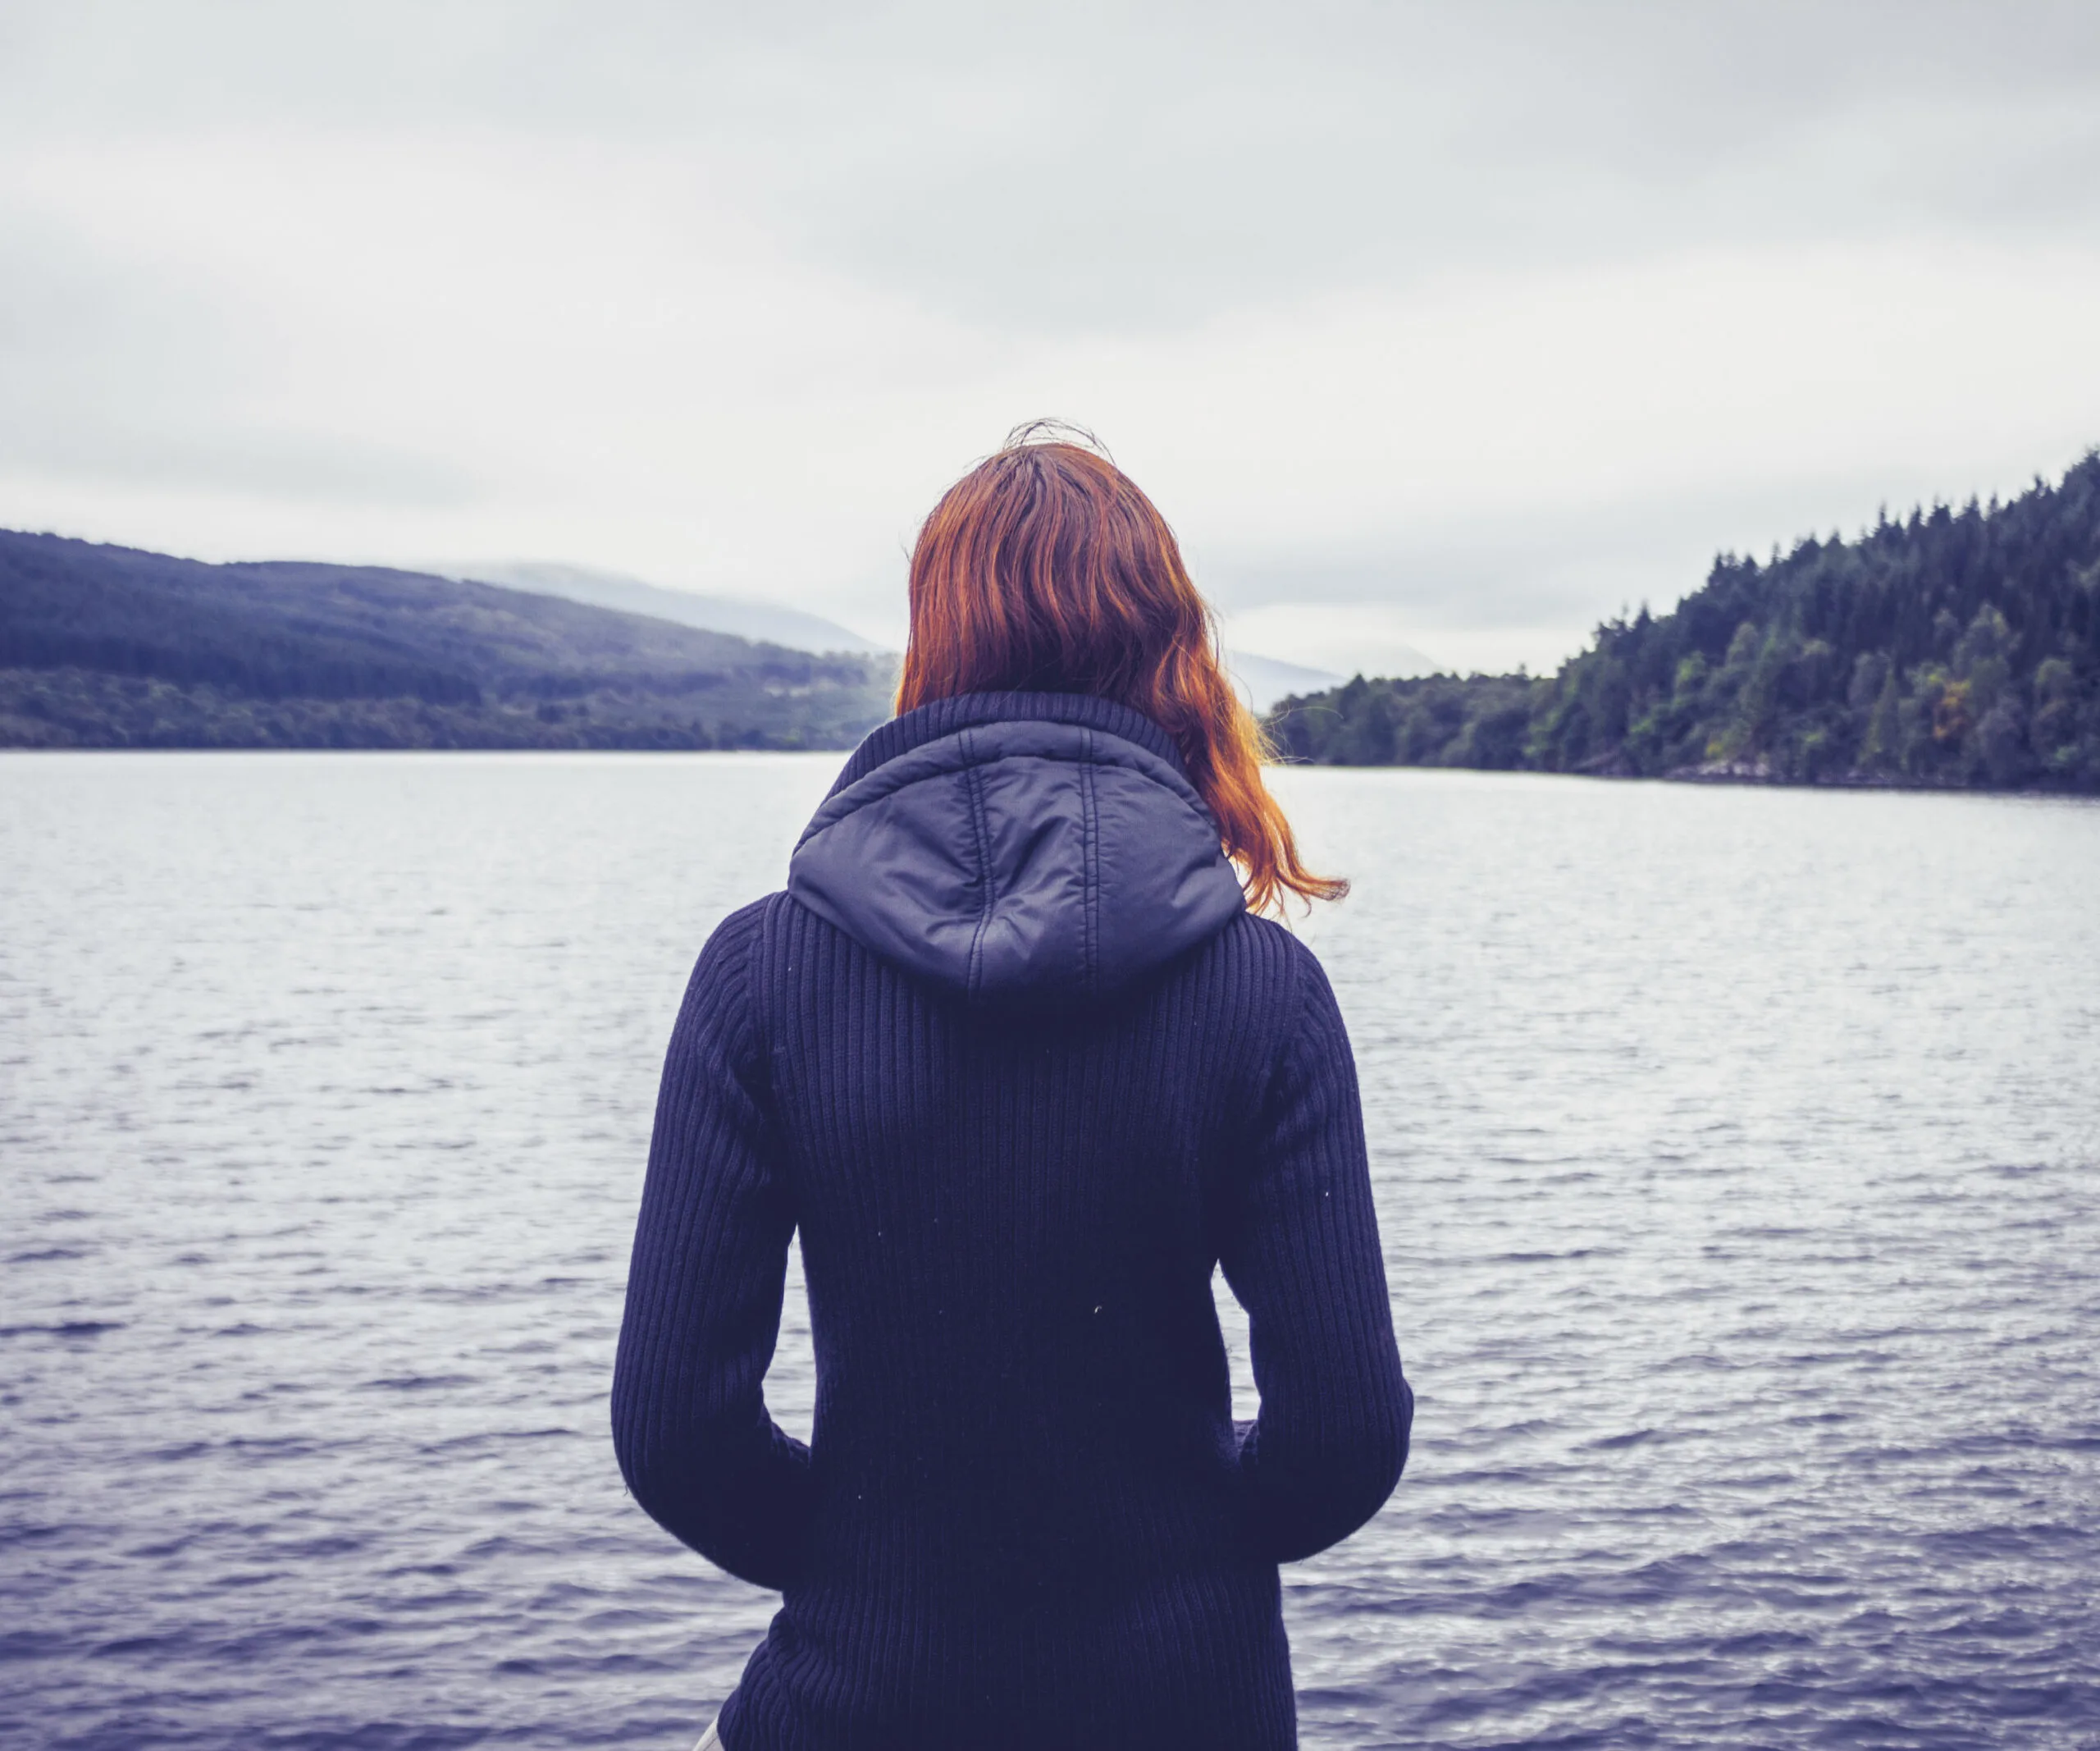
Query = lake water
x=1737 y=1153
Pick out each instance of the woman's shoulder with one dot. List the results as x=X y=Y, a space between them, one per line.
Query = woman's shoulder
x=1278 y=976
x=1276 y=947
x=726 y=970
x=741 y=930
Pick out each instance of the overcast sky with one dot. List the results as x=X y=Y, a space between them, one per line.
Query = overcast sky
x=1455 y=326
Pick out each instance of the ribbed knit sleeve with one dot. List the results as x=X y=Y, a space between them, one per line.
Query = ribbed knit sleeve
x=1300 y=1251
x=689 y=1425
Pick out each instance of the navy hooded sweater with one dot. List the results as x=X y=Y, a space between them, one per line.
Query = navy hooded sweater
x=1012 y=1056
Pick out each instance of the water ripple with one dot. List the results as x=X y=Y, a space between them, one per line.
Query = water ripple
x=1736 y=1153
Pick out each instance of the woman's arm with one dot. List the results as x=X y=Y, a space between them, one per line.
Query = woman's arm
x=689 y=1425
x=1300 y=1249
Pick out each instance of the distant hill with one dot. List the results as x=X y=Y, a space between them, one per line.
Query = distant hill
x=1951 y=648
x=1263 y=680
x=763 y=622
x=112 y=647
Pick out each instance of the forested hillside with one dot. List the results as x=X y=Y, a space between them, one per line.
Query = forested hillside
x=112 y=647
x=1950 y=648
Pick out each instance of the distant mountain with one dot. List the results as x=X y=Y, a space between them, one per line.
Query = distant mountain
x=112 y=647
x=1951 y=648
x=1263 y=680
x=763 y=622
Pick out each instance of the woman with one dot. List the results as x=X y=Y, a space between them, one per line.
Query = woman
x=1017 y=1054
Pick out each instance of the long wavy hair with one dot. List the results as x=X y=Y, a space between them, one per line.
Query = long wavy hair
x=1045 y=570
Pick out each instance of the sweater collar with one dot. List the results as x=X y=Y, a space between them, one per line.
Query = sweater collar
x=944 y=717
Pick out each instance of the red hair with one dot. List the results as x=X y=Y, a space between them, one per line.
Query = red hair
x=1045 y=570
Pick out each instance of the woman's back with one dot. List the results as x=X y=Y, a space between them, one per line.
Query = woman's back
x=1027 y=1519
x=1015 y=1056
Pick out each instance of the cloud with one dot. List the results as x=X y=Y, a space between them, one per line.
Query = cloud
x=1459 y=317
x=136 y=372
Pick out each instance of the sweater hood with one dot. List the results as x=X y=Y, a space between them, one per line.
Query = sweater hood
x=1029 y=850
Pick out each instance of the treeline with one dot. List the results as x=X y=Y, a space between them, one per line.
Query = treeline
x=114 y=647
x=1950 y=648
x=79 y=708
